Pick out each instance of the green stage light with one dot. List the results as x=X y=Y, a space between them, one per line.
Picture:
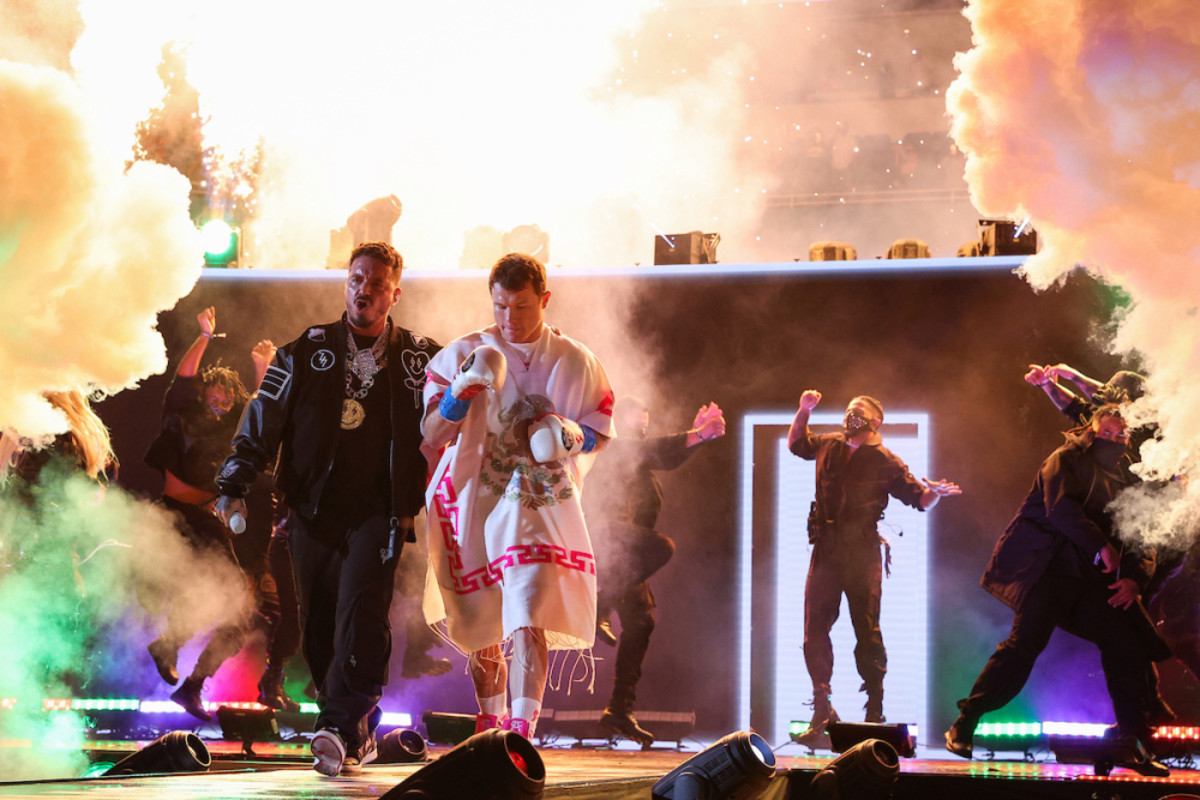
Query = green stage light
x=220 y=242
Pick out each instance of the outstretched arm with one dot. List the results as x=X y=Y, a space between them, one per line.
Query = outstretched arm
x=1044 y=379
x=798 y=433
x=709 y=424
x=935 y=491
x=1088 y=386
x=190 y=364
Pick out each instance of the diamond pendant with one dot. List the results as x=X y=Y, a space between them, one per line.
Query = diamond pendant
x=353 y=414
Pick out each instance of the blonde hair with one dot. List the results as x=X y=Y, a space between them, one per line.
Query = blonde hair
x=89 y=432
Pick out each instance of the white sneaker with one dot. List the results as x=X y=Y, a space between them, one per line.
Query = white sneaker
x=329 y=752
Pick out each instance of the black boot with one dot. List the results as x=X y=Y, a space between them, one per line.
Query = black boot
x=618 y=716
x=874 y=706
x=188 y=697
x=271 y=692
x=164 y=656
x=960 y=739
x=604 y=632
x=816 y=738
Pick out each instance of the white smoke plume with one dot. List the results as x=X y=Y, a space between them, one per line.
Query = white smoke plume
x=472 y=113
x=1084 y=117
x=90 y=252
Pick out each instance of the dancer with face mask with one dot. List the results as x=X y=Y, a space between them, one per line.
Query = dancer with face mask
x=1059 y=564
x=855 y=476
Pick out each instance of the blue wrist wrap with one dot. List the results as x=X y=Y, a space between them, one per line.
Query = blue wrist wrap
x=452 y=409
x=589 y=439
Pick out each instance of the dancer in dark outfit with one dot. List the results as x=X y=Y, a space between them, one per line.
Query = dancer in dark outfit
x=628 y=548
x=1058 y=564
x=200 y=414
x=855 y=476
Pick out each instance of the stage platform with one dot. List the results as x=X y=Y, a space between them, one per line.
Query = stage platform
x=282 y=772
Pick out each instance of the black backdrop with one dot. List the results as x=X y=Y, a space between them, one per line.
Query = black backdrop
x=952 y=338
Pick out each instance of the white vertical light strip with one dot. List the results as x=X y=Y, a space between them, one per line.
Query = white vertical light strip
x=745 y=564
x=904 y=616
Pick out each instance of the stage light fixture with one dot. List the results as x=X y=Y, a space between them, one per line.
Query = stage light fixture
x=528 y=239
x=248 y=725
x=908 y=248
x=401 y=746
x=1104 y=754
x=493 y=765
x=693 y=247
x=1003 y=237
x=739 y=765
x=867 y=771
x=177 y=751
x=845 y=735
x=221 y=243
x=374 y=221
x=831 y=251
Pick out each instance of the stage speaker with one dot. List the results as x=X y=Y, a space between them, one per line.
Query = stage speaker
x=831 y=251
x=493 y=765
x=844 y=735
x=735 y=767
x=177 y=751
x=443 y=728
x=248 y=725
x=1104 y=754
x=1002 y=237
x=686 y=248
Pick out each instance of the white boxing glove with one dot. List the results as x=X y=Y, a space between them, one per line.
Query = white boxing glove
x=553 y=438
x=484 y=368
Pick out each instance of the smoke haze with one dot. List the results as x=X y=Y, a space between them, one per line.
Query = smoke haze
x=1083 y=116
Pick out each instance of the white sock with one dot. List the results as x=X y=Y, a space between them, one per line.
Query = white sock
x=494 y=705
x=526 y=708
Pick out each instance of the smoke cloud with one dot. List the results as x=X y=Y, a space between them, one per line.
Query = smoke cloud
x=90 y=252
x=1083 y=116
x=84 y=573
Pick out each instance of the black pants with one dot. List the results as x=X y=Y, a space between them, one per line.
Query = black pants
x=209 y=539
x=1080 y=607
x=854 y=568
x=626 y=557
x=284 y=639
x=345 y=590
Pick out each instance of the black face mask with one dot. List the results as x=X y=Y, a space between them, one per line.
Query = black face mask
x=1107 y=454
x=854 y=424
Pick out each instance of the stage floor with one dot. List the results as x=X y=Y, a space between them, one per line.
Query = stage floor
x=282 y=772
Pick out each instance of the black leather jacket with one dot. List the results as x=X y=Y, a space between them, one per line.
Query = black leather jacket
x=297 y=414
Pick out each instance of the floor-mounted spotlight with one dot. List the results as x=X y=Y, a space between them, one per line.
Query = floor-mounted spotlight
x=401 y=746
x=867 y=771
x=739 y=765
x=177 y=751
x=493 y=765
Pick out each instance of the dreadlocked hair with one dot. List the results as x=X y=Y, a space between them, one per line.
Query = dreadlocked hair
x=228 y=379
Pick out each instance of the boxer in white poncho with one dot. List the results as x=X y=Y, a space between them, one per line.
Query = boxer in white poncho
x=518 y=407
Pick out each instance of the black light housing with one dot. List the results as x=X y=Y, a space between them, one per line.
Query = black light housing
x=177 y=751
x=492 y=765
x=739 y=765
x=401 y=746
x=867 y=771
